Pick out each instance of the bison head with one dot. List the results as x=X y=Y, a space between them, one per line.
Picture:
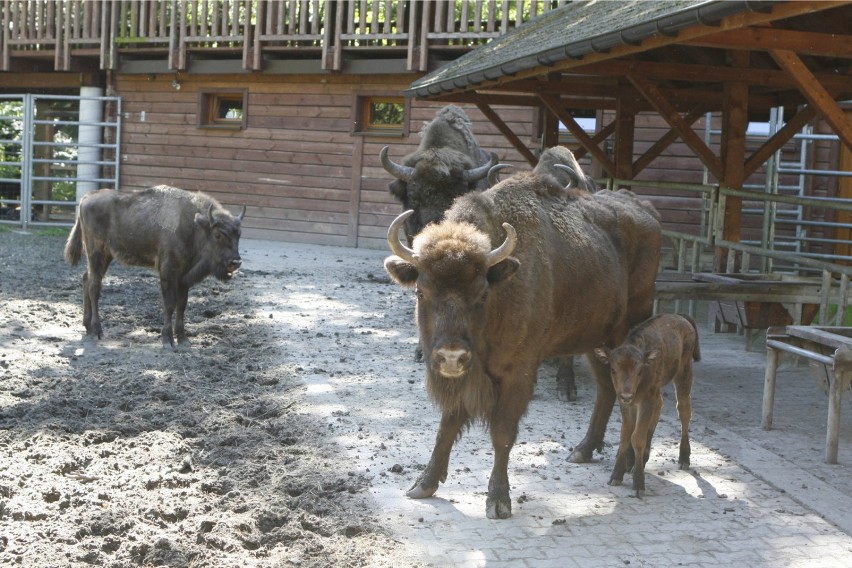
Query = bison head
x=430 y=179
x=221 y=250
x=628 y=364
x=452 y=269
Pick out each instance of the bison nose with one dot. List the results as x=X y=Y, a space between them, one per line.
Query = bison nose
x=234 y=264
x=451 y=362
x=625 y=397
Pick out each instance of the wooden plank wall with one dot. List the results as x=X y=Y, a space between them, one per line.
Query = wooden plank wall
x=302 y=174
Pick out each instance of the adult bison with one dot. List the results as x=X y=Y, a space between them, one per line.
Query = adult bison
x=573 y=272
x=184 y=236
x=448 y=163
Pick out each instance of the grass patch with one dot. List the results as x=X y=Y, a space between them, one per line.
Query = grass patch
x=53 y=232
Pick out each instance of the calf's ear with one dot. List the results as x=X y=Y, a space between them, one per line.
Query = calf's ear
x=503 y=270
x=602 y=353
x=402 y=272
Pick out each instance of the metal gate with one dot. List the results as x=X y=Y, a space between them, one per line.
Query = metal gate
x=53 y=149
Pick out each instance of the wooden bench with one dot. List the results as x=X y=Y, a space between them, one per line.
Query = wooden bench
x=831 y=346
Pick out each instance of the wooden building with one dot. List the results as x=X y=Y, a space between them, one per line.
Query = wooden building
x=269 y=103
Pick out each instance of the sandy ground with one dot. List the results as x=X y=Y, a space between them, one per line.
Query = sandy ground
x=289 y=432
x=120 y=453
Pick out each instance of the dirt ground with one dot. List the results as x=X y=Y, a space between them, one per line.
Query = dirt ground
x=119 y=453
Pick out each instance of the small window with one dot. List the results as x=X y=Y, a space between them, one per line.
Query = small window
x=381 y=116
x=225 y=109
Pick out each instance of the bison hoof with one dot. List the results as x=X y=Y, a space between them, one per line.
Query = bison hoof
x=613 y=481
x=498 y=507
x=639 y=493
x=420 y=491
x=684 y=465
x=580 y=456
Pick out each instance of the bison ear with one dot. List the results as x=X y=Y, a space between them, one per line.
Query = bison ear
x=602 y=353
x=398 y=189
x=202 y=221
x=503 y=270
x=403 y=272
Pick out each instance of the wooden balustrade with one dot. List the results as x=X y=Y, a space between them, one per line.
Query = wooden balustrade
x=171 y=28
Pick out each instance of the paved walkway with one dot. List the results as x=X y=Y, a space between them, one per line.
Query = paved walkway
x=750 y=498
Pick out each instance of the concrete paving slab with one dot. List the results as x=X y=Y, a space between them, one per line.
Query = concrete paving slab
x=750 y=497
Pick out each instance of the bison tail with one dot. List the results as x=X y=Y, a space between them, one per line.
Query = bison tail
x=696 y=351
x=74 y=245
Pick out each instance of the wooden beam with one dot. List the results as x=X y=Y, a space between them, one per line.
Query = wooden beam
x=599 y=137
x=677 y=122
x=625 y=132
x=790 y=129
x=765 y=39
x=507 y=132
x=665 y=141
x=555 y=106
x=734 y=126
x=816 y=93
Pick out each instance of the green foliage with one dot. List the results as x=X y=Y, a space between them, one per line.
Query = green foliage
x=53 y=232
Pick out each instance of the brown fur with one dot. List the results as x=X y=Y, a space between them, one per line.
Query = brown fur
x=581 y=275
x=656 y=352
x=163 y=228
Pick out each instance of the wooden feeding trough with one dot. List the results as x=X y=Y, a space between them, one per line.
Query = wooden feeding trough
x=797 y=304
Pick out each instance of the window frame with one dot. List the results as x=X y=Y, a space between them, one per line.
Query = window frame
x=361 y=112
x=210 y=101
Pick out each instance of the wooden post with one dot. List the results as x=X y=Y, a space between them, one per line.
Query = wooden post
x=734 y=125
x=625 y=131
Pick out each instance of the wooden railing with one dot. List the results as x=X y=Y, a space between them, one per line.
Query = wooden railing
x=106 y=28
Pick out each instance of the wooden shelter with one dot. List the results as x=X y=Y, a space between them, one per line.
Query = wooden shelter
x=678 y=59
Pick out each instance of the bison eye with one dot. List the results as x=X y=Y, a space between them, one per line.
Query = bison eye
x=418 y=294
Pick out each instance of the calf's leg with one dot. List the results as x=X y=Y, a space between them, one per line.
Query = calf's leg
x=624 y=458
x=604 y=401
x=566 y=385
x=436 y=470
x=683 y=390
x=649 y=415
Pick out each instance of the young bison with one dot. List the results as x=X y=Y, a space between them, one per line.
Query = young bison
x=656 y=351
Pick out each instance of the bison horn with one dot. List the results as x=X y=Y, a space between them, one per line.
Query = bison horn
x=210 y=215
x=242 y=214
x=396 y=170
x=494 y=174
x=476 y=174
x=503 y=252
x=571 y=174
x=396 y=246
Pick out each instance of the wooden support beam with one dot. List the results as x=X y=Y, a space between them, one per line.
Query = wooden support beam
x=665 y=141
x=599 y=137
x=772 y=145
x=625 y=131
x=555 y=106
x=734 y=126
x=507 y=132
x=765 y=39
x=822 y=101
x=653 y=95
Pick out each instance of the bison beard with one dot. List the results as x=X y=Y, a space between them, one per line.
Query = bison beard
x=579 y=274
x=184 y=236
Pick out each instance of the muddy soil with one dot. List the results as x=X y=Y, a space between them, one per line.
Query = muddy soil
x=119 y=453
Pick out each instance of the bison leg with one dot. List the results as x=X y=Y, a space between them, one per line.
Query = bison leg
x=436 y=470
x=646 y=423
x=624 y=458
x=180 y=308
x=507 y=413
x=604 y=402
x=566 y=387
x=98 y=261
x=683 y=389
x=169 y=290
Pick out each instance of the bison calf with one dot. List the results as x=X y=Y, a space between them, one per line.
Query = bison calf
x=184 y=236
x=657 y=351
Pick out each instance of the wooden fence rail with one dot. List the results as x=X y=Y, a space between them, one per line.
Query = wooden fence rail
x=39 y=28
